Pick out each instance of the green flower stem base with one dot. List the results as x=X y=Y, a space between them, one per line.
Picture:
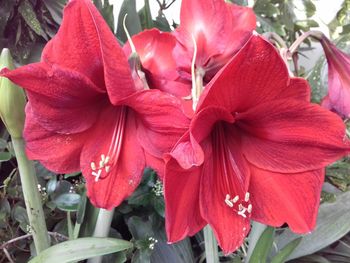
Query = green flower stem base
x=211 y=246
x=32 y=197
x=103 y=225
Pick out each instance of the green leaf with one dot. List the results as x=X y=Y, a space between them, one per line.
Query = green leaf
x=71 y=175
x=5 y=156
x=132 y=22
x=162 y=23
x=28 y=14
x=3 y=143
x=286 y=251
x=80 y=249
x=6 y=8
x=55 y=8
x=67 y=202
x=263 y=247
x=332 y=224
x=146 y=16
x=253 y=238
x=310 y=8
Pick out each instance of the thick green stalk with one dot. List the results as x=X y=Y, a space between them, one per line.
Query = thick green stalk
x=103 y=225
x=211 y=246
x=32 y=197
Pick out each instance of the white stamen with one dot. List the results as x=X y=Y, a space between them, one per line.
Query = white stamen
x=102 y=164
x=193 y=73
x=97 y=175
x=229 y=203
x=228 y=197
x=103 y=157
x=246 y=198
x=107 y=169
x=242 y=213
x=93 y=166
x=234 y=200
x=250 y=207
x=107 y=159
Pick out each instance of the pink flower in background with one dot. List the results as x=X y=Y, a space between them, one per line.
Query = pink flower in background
x=338 y=97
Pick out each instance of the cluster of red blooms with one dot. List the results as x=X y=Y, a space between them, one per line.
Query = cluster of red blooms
x=212 y=109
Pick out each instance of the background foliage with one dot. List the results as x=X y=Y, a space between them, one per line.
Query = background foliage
x=25 y=27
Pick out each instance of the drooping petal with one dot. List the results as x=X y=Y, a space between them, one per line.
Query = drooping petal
x=292 y=136
x=155 y=49
x=286 y=198
x=62 y=101
x=84 y=43
x=217 y=36
x=161 y=122
x=188 y=151
x=112 y=159
x=256 y=74
x=181 y=192
x=224 y=184
x=338 y=98
x=57 y=152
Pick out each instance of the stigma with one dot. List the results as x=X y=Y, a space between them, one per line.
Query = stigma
x=241 y=208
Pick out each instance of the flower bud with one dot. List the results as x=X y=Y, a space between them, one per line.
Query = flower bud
x=12 y=99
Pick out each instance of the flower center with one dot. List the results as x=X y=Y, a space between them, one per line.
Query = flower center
x=106 y=161
x=241 y=208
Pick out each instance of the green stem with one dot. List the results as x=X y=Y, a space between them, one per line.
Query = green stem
x=32 y=197
x=102 y=227
x=211 y=246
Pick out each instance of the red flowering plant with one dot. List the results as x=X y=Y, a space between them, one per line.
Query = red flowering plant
x=85 y=111
x=168 y=57
x=255 y=140
x=212 y=107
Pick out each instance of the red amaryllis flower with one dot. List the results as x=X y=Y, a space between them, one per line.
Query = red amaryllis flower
x=167 y=58
x=256 y=149
x=85 y=112
x=338 y=98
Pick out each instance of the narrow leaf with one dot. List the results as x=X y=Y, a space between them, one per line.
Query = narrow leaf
x=28 y=14
x=263 y=246
x=132 y=22
x=80 y=249
x=286 y=251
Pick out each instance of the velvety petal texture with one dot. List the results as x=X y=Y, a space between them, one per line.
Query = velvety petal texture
x=155 y=50
x=259 y=148
x=338 y=97
x=217 y=37
x=86 y=113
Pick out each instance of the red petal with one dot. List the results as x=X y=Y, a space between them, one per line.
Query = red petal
x=57 y=152
x=217 y=36
x=298 y=89
x=291 y=136
x=155 y=49
x=62 y=101
x=161 y=121
x=286 y=198
x=255 y=75
x=188 y=151
x=181 y=192
x=84 y=43
x=224 y=173
x=114 y=136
